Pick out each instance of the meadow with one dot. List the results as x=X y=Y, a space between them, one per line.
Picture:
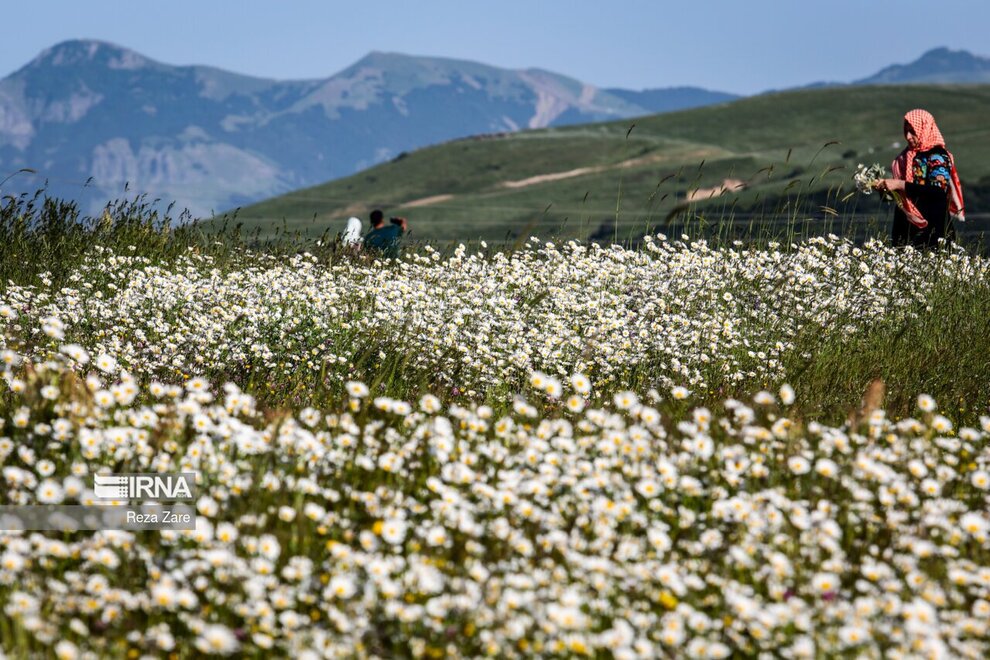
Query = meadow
x=793 y=152
x=690 y=448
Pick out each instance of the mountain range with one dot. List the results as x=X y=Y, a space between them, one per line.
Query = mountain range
x=93 y=119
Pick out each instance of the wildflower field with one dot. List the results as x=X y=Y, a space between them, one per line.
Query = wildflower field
x=564 y=449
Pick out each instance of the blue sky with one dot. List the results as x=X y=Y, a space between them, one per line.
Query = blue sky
x=736 y=46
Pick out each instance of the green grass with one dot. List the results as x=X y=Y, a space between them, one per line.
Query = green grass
x=795 y=150
x=41 y=235
x=943 y=351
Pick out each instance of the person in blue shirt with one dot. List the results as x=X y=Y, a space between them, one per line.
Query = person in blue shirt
x=385 y=238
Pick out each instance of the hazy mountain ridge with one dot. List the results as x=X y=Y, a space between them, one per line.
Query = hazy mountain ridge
x=939 y=65
x=670 y=99
x=212 y=139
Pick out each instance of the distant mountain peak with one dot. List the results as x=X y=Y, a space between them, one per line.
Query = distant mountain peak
x=377 y=57
x=956 y=60
x=938 y=65
x=390 y=59
x=83 y=52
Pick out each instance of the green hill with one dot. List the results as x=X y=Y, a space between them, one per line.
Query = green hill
x=794 y=152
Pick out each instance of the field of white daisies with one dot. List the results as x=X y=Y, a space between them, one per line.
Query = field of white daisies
x=561 y=450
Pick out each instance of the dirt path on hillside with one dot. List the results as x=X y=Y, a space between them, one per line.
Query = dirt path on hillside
x=426 y=201
x=553 y=176
x=727 y=185
x=581 y=171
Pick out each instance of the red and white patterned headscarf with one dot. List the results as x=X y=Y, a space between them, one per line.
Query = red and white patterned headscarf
x=929 y=137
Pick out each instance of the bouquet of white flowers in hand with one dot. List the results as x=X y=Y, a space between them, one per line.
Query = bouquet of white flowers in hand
x=868 y=179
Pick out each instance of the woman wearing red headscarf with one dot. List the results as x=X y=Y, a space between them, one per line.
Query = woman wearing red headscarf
x=925 y=185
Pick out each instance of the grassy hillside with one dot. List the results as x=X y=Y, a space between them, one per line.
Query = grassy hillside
x=794 y=151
